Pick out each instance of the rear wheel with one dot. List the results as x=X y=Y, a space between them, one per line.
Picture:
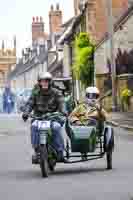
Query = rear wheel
x=109 y=160
x=44 y=161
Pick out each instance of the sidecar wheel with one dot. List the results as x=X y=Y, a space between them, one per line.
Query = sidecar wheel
x=109 y=160
x=44 y=161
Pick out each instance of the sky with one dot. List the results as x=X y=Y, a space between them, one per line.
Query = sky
x=16 y=18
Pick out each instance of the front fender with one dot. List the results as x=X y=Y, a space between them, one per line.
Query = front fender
x=43 y=137
x=108 y=139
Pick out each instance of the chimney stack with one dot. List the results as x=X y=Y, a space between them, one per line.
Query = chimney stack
x=38 y=29
x=55 y=19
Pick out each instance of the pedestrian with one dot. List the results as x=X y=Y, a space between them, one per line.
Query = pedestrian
x=8 y=100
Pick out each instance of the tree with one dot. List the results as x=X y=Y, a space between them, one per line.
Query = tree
x=84 y=59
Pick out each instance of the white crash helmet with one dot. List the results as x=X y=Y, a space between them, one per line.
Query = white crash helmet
x=92 y=94
x=45 y=76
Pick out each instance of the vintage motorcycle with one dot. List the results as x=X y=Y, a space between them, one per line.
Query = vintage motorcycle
x=83 y=143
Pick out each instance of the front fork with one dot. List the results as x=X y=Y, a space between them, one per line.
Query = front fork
x=45 y=140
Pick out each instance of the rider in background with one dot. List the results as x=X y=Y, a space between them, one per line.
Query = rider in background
x=87 y=109
x=45 y=99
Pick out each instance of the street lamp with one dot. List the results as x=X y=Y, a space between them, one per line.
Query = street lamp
x=108 y=8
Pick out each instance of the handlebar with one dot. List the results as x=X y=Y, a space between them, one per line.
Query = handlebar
x=89 y=121
x=48 y=116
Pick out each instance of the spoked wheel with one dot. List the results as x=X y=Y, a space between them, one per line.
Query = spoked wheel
x=44 y=161
x=52 y=158
x=109 y=160
x=109 y=146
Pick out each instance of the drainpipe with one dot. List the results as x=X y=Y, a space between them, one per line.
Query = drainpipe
x=108 y=9
x=77 y=90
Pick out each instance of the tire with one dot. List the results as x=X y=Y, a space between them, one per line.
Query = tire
x=52 y=164
x=67 y=150
x=52 y=167
x=44 y=161
x=53 y=160
x=109 y=160
x=110 y=146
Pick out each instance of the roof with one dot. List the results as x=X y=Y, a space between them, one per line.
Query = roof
x=67 y=23
x=122 y=20
x=70 y=30
x=22 y=67
x=55 y=65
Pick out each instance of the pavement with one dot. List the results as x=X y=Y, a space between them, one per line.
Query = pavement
x=20 y=180
x=122 y=120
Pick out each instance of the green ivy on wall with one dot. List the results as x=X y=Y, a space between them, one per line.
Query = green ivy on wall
x=84 y=59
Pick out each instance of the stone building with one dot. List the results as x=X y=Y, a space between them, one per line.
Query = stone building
x=123 y=52
x=7 y=60
x=32 y=63
x=95 y=16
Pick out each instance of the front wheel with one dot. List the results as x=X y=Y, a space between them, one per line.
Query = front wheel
x=109 y=160
x=44 y=161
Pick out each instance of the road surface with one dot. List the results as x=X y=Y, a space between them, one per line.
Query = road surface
x=19 y=180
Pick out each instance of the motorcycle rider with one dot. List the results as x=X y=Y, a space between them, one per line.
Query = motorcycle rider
x=45 y=99
x=89 y=108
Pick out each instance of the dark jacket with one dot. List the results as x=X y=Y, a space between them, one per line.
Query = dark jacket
x=42 y=102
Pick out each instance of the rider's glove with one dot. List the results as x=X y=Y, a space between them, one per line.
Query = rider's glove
x=25 y=117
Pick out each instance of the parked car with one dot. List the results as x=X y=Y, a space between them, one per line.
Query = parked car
x=22 y=98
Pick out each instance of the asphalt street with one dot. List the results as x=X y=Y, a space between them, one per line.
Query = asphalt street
x=19 y=180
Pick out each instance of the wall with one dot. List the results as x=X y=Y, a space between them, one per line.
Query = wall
x=66 y=60
x=96 y=20
x=122 y=39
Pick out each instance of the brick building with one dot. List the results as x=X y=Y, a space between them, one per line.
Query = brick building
x=96 y=21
